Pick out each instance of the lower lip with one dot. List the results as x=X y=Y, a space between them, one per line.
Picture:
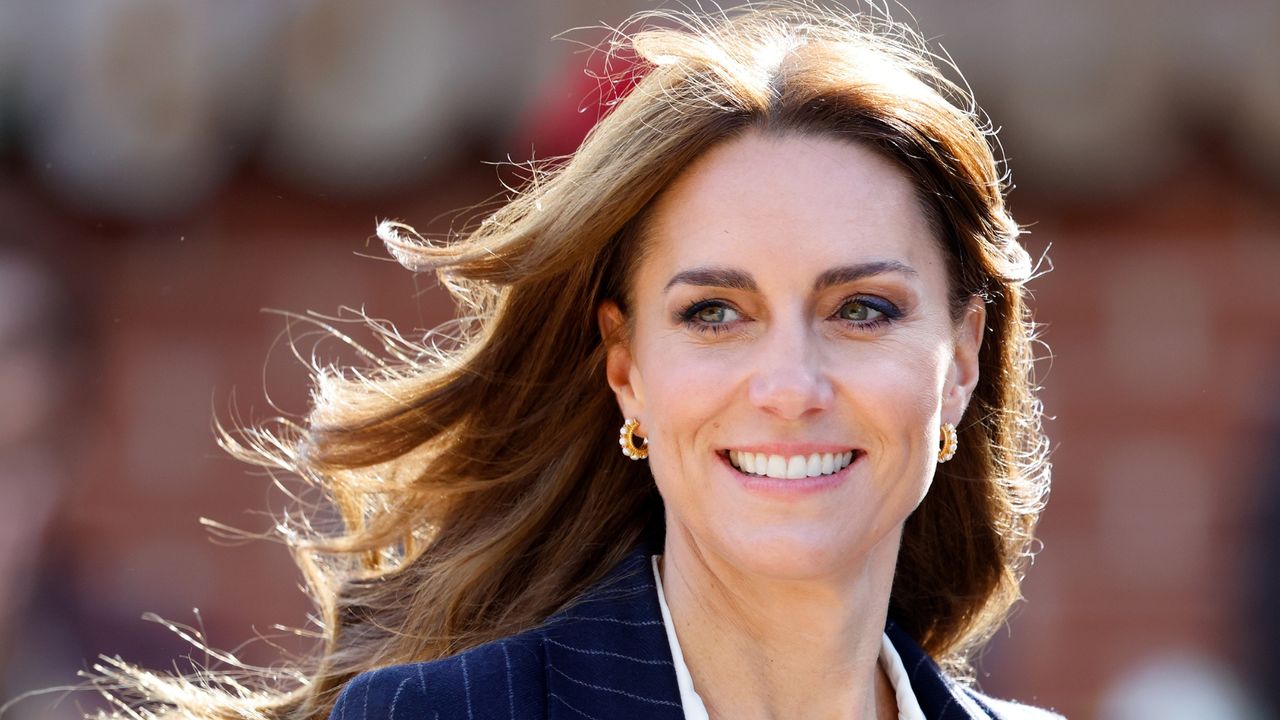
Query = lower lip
x=791 y=489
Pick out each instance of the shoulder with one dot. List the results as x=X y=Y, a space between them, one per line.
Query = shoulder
x=1009 y=710
x=943 y=696
x=491 y=680
x=606 y=649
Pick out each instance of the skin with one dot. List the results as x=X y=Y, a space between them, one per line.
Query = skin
x=780 y=597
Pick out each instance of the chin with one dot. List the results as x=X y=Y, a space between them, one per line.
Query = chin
x=795 y=553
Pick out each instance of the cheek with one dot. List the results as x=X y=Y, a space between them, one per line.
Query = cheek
x=906 y=373
x=689 y=394
x=894 y=393
x=684 y=382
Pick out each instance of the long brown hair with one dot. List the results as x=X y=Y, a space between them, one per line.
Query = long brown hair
x=477 y=475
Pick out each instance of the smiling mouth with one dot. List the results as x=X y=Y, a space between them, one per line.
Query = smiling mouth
x=793 y=467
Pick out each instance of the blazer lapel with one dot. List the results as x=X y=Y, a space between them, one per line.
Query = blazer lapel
x=941 y=698
x=607 y=656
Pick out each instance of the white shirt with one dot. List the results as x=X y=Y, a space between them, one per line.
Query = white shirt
x=694 y=709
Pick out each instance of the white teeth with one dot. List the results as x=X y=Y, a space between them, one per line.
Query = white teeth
x=797 y=467
x=793 y=467
x=777 y=467
x=813 y=467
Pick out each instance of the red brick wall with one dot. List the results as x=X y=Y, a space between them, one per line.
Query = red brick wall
x=1163 y=316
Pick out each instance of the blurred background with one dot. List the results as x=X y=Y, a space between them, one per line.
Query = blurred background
x=171 y=168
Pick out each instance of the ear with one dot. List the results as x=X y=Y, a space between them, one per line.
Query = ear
x=962 y=377
x=620 y=370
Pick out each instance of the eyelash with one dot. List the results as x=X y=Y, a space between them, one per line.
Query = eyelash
x=889 y=313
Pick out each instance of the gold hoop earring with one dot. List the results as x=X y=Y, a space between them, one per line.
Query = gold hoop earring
x=949 y=442
x=626 y=438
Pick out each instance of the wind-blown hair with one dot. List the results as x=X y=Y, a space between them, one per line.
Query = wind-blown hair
x=477 y=473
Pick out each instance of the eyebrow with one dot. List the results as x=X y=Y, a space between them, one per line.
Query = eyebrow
x=724 y=277
x=721 y=277
x=850 y=273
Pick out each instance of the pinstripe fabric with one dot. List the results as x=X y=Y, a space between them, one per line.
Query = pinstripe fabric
x=605 y=658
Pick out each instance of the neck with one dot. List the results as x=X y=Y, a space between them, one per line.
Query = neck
x=761 y=647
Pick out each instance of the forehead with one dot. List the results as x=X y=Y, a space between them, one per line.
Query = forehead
x=790 y=202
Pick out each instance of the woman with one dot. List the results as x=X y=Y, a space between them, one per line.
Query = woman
x=784 y=265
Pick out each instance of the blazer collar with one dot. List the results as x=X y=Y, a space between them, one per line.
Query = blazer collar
x=940 y=696
x=608 y=652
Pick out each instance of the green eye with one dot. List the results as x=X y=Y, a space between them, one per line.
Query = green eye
x=857 y=311
x=714 y=314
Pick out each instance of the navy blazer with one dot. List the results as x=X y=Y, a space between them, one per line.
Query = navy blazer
x=606 y=657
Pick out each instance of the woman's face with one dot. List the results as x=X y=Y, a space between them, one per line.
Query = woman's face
x=791 y=308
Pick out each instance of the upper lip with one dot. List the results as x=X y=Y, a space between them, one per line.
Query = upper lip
x=790 y=449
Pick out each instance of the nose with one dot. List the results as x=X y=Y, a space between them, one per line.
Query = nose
x=789 y=380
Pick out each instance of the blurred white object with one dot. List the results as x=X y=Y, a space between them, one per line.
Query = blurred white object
x=1178 y=686
x=119 y=99
x=368 y=92
x=141 y=107
x=1086 y=97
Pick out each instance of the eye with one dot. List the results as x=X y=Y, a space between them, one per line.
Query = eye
x=858 y=311
x=714 y=314
x=867 y=312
